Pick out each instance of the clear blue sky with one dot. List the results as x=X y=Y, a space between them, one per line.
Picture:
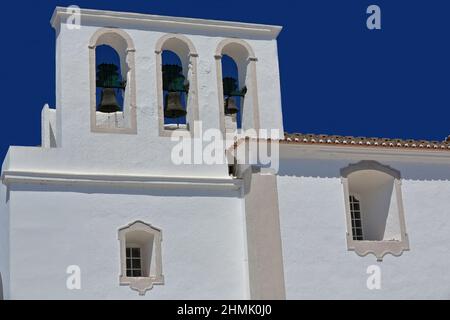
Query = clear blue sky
x=337 y=77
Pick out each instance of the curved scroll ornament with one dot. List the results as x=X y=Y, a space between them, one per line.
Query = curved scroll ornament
x=378 y=248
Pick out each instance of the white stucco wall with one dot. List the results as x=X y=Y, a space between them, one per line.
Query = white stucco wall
x=316 y=261
x=53 y=227
x=48 y=127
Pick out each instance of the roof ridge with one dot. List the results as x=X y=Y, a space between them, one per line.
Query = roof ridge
x=312 y=138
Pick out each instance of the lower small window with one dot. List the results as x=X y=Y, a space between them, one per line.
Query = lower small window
x=140 y=254
x=134 y=262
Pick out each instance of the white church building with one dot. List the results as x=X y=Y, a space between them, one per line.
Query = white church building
x=100 y=210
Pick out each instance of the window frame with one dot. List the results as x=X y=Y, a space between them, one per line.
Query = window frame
x=379 y=248
x=132 y=258
x=155 y=277
x=354 y=219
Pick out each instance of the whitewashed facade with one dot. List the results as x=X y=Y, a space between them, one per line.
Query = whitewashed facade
x=99 y=184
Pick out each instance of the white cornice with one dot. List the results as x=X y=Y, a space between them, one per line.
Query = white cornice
x=269 y=31
x=298 y=151
x=29 y=177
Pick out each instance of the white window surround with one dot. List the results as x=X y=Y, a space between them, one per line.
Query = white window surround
x=148 y=238
x=379 y=247
x=245 y=59
x=122 y=43
x=184 y=48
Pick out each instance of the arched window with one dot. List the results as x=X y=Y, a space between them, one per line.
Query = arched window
x=236 y=73
x=176 y=74
x=140 y=252
x=374 y=209
x=113 y=98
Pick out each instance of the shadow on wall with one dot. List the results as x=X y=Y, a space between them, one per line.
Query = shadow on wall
x=321 y=168
x=135 y=190
x=379 y=211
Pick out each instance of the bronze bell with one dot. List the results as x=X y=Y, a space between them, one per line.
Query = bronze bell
x=230 y=106
x=108 y=101
x=173 y=107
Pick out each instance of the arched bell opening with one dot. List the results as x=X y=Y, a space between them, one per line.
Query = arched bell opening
x=233 y=93
x=112 y=81
x=110 y=84
x=176 y=77
x=236 y=74
x=175 y=91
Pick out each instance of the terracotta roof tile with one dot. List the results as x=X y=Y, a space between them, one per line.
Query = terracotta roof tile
x=300 y=138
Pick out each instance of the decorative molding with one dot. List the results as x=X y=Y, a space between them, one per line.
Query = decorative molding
x=225 y=42
x=192 y=107
x=141 y=284
x=129 y=112
x=383 y=247
x=378 y=248
x=370 y=165
x=142 y=181
x=61 y=14
x=252 y=88
x=159 y=47
x=93 y=42
x=290 y=150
